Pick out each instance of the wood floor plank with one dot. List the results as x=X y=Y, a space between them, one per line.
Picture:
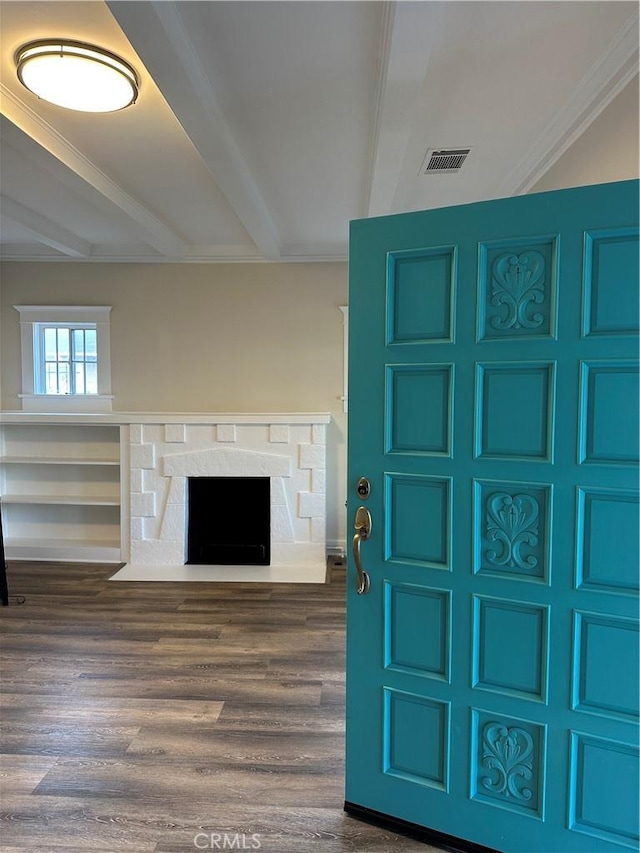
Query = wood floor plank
x=105 y=711
x=218 y=661
x=20 y=774
x=130 y=629
x=159 y=778
x=77 y=645
x=60 y=824
x=73 y=848
x=300 y=693
x=66 y=740
x=239 y=747
x=106 y=825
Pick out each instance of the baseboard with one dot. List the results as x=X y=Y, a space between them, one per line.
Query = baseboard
x=336 y=548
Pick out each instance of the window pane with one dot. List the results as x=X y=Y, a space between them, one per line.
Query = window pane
x=51 y=378
x=63 y=378
x=78 y=344
x=78 y=369
x=91 y=348
x=91 y=371
x=50 y=349
x=63 y=344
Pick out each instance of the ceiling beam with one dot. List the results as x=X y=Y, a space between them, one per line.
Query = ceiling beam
x=44 y=230
x=409 y=32
x=148 y=227
x=163 y=43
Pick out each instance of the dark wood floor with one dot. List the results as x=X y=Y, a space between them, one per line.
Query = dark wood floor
x=158 y=717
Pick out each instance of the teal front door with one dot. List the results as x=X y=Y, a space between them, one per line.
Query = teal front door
x=492 y=653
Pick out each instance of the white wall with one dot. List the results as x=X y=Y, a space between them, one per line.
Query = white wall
x=205 y=338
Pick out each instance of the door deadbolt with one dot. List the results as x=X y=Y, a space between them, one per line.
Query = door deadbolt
x=364 y=487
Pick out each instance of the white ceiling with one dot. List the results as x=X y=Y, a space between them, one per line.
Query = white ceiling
x=262 y=128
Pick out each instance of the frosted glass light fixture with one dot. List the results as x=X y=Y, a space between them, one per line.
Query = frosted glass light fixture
x=76 y=75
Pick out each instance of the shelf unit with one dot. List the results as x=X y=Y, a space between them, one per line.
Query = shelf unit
x=60 y=487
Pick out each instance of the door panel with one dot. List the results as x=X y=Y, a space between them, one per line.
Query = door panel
x=492 y=689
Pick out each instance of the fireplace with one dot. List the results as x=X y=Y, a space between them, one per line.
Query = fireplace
x=229 y=521
x=286 y=450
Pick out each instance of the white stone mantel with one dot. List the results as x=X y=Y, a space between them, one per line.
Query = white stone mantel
x=123 y=418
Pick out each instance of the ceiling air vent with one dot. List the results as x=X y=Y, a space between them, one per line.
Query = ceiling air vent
x=443 y=161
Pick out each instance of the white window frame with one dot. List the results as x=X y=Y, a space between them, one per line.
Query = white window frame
x=31 y=317
x=345 y=357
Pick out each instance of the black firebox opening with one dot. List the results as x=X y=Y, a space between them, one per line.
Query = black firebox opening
x=229 y=521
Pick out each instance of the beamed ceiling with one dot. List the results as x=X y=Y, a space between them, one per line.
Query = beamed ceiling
x=262 y=128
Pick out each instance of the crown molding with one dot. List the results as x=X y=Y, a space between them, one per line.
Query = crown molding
x=615 y=68
x=14 y=253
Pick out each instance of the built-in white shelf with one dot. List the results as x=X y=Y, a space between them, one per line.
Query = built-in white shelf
x=70 y=500
x=60 y=488
x=59 y=550
x=55 y=460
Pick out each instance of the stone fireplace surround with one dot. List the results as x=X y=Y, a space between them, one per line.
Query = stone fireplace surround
x=162 y=455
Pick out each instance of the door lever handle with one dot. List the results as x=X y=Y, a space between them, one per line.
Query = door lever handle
x=363 y=531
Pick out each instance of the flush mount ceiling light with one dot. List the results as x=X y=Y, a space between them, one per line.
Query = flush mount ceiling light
x=76 y=75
